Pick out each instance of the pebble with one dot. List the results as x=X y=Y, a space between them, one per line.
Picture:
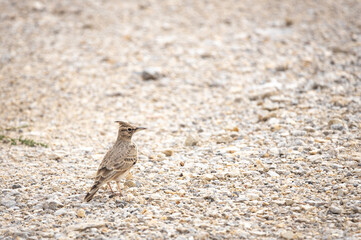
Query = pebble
x=11 y=192
x=61 y=212
x=168 y=152
x=298 y=133
x=38 y=6
x=307 y=207
x=54 y=156
x=288 y=202
x=52 y=204
x=191 y=140
x=224 y=139
x=87 y=225
x=231 y=149
x=130 y=184
x=155 y=196
x=356 y=209
x=334 y=209
x=338 y=127
x=310 y=129
x=15 y=186
x=273 y=174
x=299 y=142
x=151 y=73
x=253 y=195
x=283 y=172
x=336 y=124
x=287 y=234
x=263 y=92
x=9 y=203
x=80 y=213
x=208 y=177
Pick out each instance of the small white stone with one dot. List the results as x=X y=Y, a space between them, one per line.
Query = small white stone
x=231 y=149
x=208 y=177
x=273 y=174
x=155 y=196
x=287 y=234
x=61 y=212
x=8 y=203
x=307 y=207
x=54 y=156
x=38 y=6
x=273 y=121
x=253 y=195
x=191 y=140
x=335 y=210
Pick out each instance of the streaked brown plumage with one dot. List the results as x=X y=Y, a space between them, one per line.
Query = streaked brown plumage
x=118 y=160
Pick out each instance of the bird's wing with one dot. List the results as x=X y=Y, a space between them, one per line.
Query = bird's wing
x=115 y=153
x=116 y=162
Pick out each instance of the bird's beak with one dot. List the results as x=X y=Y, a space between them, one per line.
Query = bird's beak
x=140 y=128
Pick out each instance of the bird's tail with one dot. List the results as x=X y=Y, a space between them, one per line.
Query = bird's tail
x=89 y=196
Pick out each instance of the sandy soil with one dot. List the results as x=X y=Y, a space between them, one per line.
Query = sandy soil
x=253 y=110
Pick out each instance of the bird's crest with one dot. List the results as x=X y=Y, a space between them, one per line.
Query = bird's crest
x=124 y=124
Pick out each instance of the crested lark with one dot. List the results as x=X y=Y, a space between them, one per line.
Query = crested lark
x=118 y=160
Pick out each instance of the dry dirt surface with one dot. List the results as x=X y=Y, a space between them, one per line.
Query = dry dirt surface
x=253 y=110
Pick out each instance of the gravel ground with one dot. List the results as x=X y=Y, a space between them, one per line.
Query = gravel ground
x=253 y=110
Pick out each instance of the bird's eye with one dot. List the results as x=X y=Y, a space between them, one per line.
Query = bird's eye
x=129 y=129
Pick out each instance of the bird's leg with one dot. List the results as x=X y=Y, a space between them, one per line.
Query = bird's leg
x=118 y=187
x=110 y=188
x=113 y=193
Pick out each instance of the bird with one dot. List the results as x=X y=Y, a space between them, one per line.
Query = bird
x=118 y=161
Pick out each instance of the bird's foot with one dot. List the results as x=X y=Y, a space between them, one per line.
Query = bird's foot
x=116 y=195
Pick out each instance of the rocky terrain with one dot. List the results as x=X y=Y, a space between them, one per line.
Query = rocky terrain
x=253 y=110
